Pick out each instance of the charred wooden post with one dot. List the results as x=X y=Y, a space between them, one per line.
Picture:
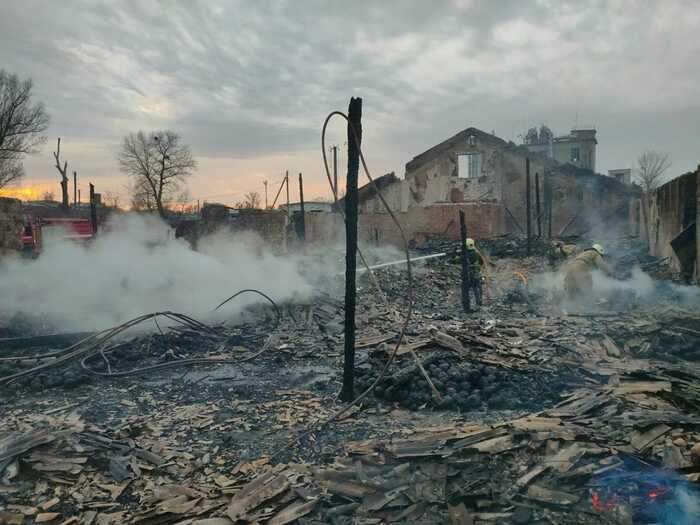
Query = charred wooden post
x=463 y=259
x=354 y=129
x=537 y=205
x=528 y=212
x=302 y=219
x=697 y=225
x=93 y=209
x=550 y=204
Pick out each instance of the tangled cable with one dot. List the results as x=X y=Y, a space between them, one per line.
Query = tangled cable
x=252 y=290
x=93 y=345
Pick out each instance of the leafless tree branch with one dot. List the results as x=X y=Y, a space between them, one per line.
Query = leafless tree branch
x=22 y=125
x=250 y=200
x=652 y=165
x=159 y=165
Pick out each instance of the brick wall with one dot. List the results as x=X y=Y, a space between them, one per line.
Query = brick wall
x=603 y=206
x=440 y=220
x=11 y=225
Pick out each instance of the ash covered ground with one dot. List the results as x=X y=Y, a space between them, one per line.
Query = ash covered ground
x=123 y=437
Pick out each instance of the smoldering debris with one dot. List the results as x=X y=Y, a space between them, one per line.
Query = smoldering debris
x=467 y=385
x=544 y=416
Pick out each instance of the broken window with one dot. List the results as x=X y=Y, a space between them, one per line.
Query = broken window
x=575 y=154
x=469 y=165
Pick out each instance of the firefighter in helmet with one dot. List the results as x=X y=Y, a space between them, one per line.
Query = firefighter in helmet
x=475 y=266
x=578 y=281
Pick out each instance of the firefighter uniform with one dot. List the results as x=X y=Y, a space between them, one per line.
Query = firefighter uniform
x=578 y=281
x=475 y=262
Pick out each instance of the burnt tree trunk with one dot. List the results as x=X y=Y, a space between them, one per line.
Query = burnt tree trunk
x=63 y=170
x=354 y=140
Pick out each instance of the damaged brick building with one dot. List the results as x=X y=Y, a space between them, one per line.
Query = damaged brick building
x=673 y=212
x=486 y=176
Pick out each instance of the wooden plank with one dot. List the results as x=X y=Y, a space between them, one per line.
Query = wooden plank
x=293 y=512
x=641 y=440
x=240 y=506
x=555 y=497
x=365 y=342
x=637 y=387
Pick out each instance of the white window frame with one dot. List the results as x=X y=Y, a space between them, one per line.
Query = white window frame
x=469 y=165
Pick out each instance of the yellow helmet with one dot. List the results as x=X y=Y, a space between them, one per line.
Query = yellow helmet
x=598 y=248
x=469 y=243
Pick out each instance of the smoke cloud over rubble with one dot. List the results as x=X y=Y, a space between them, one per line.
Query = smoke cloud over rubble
x=136 y=267
x=638 y=287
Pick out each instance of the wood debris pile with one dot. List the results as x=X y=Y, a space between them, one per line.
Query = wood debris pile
x=625 y=443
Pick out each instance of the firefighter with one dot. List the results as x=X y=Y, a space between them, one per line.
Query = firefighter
x=475 y=264
x=578 y=281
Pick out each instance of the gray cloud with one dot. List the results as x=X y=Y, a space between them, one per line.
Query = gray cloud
x=251 y=80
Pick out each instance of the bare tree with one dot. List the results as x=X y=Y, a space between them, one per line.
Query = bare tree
x=22 y=125
x=250 y=200
x=48 y=196
x=159 y=165
x=64 y=173
x=652 y=165
x=110 y=198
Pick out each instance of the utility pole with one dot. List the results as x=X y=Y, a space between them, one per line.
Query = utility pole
x=335 y=173
x=265 y=183
x=93 y=209
x=286 y=180
x=527 y=205
x=75 y=188
x=302 y=221
x=537 y=205
x=547 y=183
x=354 y=129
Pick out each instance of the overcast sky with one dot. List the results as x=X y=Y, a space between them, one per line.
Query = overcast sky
x=248 y=84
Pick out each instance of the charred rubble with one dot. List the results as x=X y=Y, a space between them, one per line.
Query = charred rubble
x=520 y=412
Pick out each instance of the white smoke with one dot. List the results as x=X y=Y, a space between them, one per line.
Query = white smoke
x=136 y=267
x=638 y=286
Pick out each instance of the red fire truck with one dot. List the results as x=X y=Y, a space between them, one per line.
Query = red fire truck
x=79 y=230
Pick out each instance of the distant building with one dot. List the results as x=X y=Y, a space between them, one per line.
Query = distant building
x=309 y=206
x=485 y=176
x=577 y=148
x=623 y=175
